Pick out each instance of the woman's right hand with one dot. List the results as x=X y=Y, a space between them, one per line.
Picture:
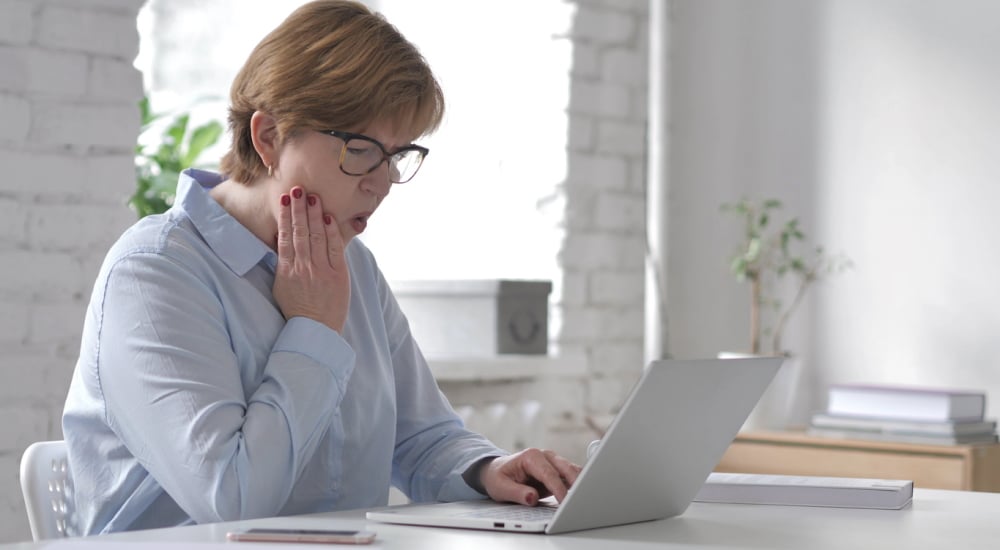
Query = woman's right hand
x=312 y=278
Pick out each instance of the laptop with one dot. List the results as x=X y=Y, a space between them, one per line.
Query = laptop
x=674 y=427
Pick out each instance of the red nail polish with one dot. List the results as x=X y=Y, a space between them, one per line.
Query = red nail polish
x=327 y=219
x=285 y=200
x=297 y=193
x=311 y=200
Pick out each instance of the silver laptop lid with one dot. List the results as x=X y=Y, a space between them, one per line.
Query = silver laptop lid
x=669 y=435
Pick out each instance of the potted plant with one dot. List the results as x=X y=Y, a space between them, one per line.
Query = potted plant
x=774 y=260
x=766 y=255
x=160 y=157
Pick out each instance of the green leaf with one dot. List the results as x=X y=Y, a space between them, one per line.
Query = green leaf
x=201 y=138
x=753 y=250
x=144 y=112
x=165 y=181
x=739 y=268
x=166 y=158
x=148 y=117
x=175 y=132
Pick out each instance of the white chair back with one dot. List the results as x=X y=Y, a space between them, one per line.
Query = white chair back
x=45 y=478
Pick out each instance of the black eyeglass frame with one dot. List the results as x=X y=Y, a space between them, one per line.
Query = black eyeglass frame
x=386 y=155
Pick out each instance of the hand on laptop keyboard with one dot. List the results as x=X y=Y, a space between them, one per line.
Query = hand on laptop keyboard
x=528 y=476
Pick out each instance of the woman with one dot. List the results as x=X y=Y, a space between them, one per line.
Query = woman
x=242 y=354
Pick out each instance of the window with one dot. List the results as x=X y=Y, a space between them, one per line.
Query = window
x=486 y=202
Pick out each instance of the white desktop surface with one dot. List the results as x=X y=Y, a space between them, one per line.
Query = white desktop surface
x=936 y=519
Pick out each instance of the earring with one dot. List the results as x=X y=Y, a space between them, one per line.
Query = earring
x=270 y=171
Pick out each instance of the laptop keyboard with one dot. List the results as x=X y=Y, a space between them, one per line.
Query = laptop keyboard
x=514 y=513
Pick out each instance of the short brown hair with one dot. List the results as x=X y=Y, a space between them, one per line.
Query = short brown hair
x=331 y=65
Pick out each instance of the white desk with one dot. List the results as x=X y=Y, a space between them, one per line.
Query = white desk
x=937 y=519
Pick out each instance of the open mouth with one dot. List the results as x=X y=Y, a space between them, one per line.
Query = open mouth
x=359 y=223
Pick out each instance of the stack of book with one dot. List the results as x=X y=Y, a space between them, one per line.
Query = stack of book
x=905 y=414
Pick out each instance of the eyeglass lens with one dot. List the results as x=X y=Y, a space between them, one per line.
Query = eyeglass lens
x=362 y=156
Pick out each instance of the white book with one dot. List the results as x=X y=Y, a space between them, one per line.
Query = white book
x=837 y=492
x=905 y=403
x=882 y=425
x=918 y=439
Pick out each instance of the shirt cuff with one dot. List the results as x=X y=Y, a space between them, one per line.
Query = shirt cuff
x=473 y=474
x=456 y=488
x=318 y=342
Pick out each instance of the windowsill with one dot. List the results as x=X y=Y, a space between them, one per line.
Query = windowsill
x=505 y=368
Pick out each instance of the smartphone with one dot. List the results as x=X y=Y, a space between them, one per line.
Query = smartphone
x=323 y=536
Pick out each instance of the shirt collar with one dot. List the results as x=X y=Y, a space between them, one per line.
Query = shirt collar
x=232 y=242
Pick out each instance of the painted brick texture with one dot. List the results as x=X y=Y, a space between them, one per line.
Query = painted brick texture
x=68 y=102
x=599 y=314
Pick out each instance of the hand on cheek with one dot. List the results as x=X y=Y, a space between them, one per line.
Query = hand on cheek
x=312 y=278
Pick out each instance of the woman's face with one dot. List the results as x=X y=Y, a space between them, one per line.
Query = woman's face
x=311 y=160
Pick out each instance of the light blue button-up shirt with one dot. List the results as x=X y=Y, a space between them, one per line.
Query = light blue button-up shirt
x=194 y=400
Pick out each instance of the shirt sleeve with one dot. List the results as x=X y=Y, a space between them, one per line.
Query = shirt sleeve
x=222 y=446
x=433 y=448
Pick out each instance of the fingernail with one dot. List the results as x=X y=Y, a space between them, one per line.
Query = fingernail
x=530 y=499
x=327 y=219
x=297 y=193
x=285 y=200
x=311 y=200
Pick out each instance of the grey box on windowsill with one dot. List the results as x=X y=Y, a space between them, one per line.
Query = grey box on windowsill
x=477 y=318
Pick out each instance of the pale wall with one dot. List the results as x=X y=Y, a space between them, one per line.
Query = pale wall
x=877 y=122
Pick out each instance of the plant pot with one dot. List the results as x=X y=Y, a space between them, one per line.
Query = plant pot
x=779 y=407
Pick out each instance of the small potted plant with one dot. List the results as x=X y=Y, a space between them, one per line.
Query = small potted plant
x=773 y=259
x=767 y=254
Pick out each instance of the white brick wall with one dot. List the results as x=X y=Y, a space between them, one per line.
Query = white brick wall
x=16 y=24
x=599 y=314
x=68 y=126
x=15 y=113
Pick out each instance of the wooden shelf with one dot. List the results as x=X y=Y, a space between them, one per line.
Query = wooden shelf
x=505 y=368
x=961 y=467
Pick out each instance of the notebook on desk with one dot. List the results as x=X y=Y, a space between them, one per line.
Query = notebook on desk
x=673 y=429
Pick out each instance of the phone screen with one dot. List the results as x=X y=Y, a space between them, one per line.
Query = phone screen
x=303 y=535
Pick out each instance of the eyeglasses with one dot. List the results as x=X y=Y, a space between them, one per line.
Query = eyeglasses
x=361 y=155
